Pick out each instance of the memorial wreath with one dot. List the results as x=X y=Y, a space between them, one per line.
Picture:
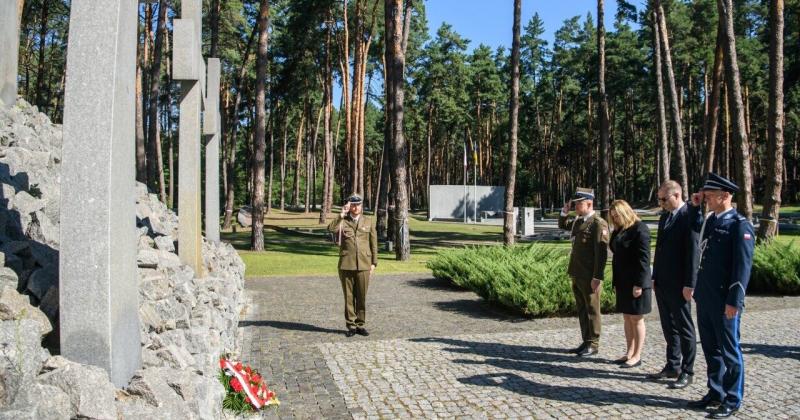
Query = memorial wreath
x=245 y=389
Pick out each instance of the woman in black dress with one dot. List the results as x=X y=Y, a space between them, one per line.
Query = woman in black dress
x=630 y=243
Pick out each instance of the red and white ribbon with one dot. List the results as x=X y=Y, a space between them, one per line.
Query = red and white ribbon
x=245 y=385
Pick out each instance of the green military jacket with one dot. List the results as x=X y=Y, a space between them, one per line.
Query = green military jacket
x=589 y=246
x=359 y=247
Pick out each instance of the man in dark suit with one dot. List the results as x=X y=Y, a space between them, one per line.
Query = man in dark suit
x=727 y=241
x=674 y=276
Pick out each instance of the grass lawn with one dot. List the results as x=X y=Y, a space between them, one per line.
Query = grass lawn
x=297 y=245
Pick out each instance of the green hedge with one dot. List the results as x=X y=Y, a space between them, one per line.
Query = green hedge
x=776 y=269
x=529 y=278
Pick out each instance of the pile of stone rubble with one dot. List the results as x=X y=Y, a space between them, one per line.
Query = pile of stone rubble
x=186 y=322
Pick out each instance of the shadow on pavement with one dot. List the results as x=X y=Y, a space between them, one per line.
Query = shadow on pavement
x=294 y=326
x=479 y=309
x=772 y=350
x=570 y=394
x=433 y=283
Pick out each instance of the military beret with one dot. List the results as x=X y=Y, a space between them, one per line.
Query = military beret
x=583 y=194
x=719 y=183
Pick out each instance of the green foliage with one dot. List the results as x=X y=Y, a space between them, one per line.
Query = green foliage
x=776 y=269
x=233 y=401
x=529 y=278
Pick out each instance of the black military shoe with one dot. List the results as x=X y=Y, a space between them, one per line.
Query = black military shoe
x=706 y=402
x=722 y=412
x=683 y=381
x=362 y=331
x=588 y=351
x=579 y=349
x=350 y=333
x=665 y=373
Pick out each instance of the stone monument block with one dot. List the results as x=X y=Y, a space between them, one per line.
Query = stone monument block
x=185 y=55
x=190 y=137
x=9 y=53
x=211 y=128
x=99 y=305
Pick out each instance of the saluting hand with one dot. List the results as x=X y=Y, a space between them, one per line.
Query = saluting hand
x=697 y=198
x=565 y=209
x=345 y=209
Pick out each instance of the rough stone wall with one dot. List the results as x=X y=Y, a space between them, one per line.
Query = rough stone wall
x=186 y=322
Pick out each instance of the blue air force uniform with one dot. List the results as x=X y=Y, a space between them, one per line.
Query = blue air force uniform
x=726 y=256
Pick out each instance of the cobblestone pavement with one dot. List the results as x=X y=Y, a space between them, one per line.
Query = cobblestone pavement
x=439 y=352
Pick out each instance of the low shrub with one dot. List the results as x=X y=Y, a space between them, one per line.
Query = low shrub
x=529 y=278
x=776 y=269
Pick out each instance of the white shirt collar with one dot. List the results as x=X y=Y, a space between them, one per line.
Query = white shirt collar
x=588 y=216
x=355 y=219
x=675 y=212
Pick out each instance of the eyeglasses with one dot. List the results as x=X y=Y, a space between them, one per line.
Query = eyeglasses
x=663 y=199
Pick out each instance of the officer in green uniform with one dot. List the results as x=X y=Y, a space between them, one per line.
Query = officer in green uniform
x=587 y=262
x=358 y=256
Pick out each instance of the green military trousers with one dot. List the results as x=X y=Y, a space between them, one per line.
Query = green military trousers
x=354 y=287
x=588 y=306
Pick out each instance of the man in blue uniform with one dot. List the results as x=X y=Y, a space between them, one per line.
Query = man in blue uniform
x=726 y=256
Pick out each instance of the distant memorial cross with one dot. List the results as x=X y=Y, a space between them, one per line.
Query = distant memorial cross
x=9 y=52
x=211 y=130
x=196 y=97
x=98 y=291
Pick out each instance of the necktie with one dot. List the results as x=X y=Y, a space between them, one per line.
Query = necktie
x=669 y=220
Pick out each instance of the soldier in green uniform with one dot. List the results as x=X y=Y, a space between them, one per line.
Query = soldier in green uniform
x=358 y=256
x=587 y=262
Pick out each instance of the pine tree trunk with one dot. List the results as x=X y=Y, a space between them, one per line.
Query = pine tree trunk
x=714 y=105
x=41 y=76
x=677 y=126
x=298 y=154
x=141 y=157
x=153 y=143
x=283 y=161
x=662 y=117
x=511 y=168
x=768 y=226
x=744 y=198
x=605 y=152
x=230 y=162
x=259 y=140
x=327 y=100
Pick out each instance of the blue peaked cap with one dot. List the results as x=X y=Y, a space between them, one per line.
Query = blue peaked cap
x=720 y=183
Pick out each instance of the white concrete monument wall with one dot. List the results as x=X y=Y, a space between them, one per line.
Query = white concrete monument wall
x=447 y=201
x=9 y=51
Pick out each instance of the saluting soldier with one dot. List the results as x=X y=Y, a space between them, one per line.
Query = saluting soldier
x=587 y=262
x=726 y=256
x=358 y=257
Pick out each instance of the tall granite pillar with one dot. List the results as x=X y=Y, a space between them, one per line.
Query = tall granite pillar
x=211 y=130
x=189 y=69
x=99 y=308
x=9 y=52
